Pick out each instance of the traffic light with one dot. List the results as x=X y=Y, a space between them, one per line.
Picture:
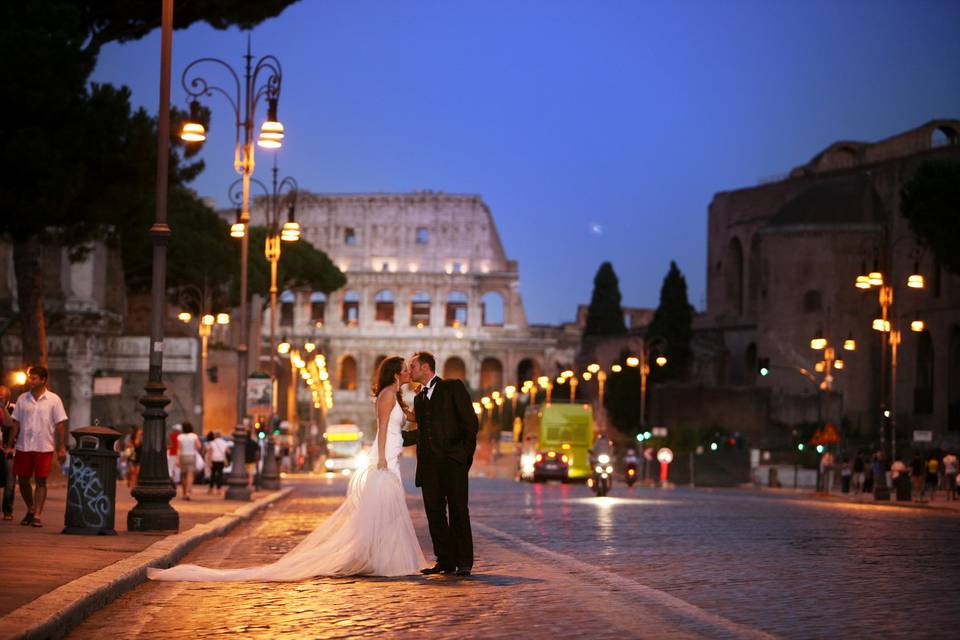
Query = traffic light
x=763 y=366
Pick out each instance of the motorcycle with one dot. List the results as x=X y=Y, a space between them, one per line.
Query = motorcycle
x=631 y=471
x=602 y=478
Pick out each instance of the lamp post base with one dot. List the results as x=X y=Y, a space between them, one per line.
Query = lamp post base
x=153 y=511
x=269 y=475
x=237 y=484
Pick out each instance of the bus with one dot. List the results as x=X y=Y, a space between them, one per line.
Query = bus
x=345 y=452
x=563 y=429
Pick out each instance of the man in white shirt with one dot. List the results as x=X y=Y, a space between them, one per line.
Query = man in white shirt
x=37 y=418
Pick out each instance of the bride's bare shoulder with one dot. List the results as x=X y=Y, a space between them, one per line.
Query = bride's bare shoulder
x=387 y=394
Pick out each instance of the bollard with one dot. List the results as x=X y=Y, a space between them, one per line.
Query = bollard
x=92 y=486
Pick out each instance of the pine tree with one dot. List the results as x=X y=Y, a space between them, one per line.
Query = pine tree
x=605 y=316
x=671 y=329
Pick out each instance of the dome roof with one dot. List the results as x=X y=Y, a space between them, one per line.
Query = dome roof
x=841 y=201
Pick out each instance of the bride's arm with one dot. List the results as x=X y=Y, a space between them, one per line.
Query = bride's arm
x=385 y=402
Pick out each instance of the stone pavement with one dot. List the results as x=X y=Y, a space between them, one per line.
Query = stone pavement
x=517 y=590
x=51 y=579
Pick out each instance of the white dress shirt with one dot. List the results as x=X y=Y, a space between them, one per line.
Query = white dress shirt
x=432 y=385
x=38 y=418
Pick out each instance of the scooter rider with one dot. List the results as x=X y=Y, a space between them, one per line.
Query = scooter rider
x=601 y=445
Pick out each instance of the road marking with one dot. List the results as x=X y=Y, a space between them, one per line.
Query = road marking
x=672 y=603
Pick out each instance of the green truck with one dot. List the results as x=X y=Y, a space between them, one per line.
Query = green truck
x=556 y=442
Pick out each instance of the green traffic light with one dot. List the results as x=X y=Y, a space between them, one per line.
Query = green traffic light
x=800 y=447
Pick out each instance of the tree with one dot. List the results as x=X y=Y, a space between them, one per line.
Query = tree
x=672 y=325
x=605 y=315
x=930 y=201
x=622 y=397
x=301 y=265
x=64 y=152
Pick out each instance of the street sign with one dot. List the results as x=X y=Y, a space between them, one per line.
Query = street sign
x=259 y=394
x=659 y=432
x=665 y=455
x=923 y=436
x=648 y=453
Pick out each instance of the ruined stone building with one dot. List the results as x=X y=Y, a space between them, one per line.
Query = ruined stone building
x=425 y=271
x=782 y=262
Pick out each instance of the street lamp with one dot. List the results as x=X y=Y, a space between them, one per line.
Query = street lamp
x=887 y=326
x=643 y=362
x=244 y=99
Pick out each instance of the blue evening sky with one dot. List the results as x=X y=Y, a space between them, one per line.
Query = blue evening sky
x=594 y=130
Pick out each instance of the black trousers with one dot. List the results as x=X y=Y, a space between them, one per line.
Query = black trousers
x=216 y=474
x=445 y=491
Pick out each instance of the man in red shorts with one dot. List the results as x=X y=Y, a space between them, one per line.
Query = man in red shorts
x=37 y=417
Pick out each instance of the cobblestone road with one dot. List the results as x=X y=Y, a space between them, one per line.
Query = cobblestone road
x=554 y=562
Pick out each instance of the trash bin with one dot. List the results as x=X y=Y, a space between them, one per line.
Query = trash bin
x=904 y=488
x=92 y=486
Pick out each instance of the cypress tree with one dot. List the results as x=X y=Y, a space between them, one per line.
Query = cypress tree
x=605 y=315
x=673 y=323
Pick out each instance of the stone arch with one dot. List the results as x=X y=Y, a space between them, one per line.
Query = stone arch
x=347 y=374
x=491 y=374
x=455 y=368
x=318 y=308
x=733 y=268
x=420 y=309
x=384 y=306
x=943 y=137
x=527 y=369
x=924 y=377
x=492 y=309
x=953 y=381
x=756 y=286
x=376 y=361
x=287 y=301
x=350 y=312
x=456 y=313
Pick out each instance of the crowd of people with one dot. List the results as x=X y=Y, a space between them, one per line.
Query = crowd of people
x=929 y=473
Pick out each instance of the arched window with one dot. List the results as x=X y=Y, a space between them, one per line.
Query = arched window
x=953 y=382
x=457 y=309
x=491 y=309
x=347 y=378
x=287 y=300
x=383 y=303
x=943 y=137
x=491 y=374
x=420 y=309
x=812 y=302
x=318 y=307
x=923 y=385
x=755 y=285
x=527 y=369
x=733 y=264
x=351 y=308
x=750 y=363
x=455 y=368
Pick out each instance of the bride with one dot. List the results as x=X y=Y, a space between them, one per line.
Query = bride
x=369 y=534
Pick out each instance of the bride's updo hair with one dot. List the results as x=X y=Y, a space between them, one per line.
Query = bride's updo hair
x=386 y=374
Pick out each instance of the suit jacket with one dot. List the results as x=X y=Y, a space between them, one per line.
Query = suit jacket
x=447 y=426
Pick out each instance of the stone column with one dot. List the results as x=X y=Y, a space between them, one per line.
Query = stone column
x=80 y=350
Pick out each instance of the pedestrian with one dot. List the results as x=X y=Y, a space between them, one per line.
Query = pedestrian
x=39 y=430
x=858 y=469
x=173 y=454
x=897 y=468
x=251 y=455
x=826 y=472
x=846 y=473
x=916 y=475
x=6 y=460
x=134 y=452
x=189 y=445
x=950 y=468
x=879 y=470
x=933 y=474
x=218 y=449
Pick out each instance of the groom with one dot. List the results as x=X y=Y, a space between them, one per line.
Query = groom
x=446 y=439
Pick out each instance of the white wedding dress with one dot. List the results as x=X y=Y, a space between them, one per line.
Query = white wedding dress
x=371 y=533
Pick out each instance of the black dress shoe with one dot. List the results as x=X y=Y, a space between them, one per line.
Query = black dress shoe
x=463 y=573
x=436 y=569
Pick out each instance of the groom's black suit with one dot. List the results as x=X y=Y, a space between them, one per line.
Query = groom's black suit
x=446 y=441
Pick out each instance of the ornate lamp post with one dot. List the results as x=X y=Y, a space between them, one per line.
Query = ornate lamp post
x=244 y=99
x=154 y=490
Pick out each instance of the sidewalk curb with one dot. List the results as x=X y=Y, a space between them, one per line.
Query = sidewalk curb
x=811 y=495
x=55 y=614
